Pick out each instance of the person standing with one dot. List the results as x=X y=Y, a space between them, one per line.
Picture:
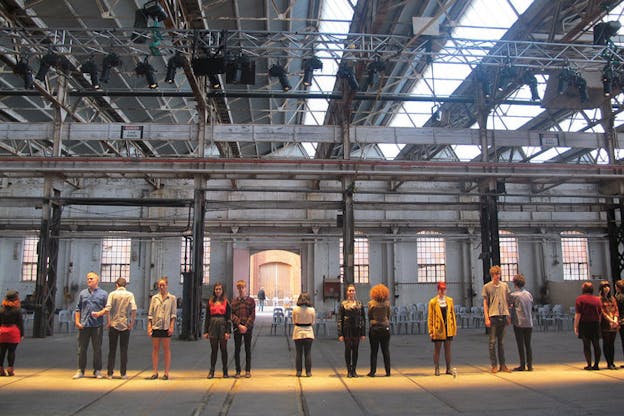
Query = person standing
x=243 y=318
x=304 y=317
x=619 y=298
x=379 y=327
x=90 y=328
x=119 y=307
x=11 y=330
x=442 y=326
x=351 y=328
x=261 y=299
x=522 y=320
x=496 y=312
x=609 y=324
x=161 y=319
x=587 y=323
x=217 y=327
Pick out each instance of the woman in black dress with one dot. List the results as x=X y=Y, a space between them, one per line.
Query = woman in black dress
x=351 y=328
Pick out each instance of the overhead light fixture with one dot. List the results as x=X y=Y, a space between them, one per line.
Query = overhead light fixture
x=506 y=78
x=208 y=65
x=145 y=69
x=176 y=61
x=23 y=69
x=240 y=70
x=91 y=68
x=581 y=86
x=279 y=72
x=528 y=78
x=214 y=82
x=110 y=61
x=48 y=60
x=484 y=80
x=604 y=31
x=345 y=72
x=566 y=78
x=608 y=77
x=151 y=10
x=374 y=69
x=309 y=65
x=154 y=10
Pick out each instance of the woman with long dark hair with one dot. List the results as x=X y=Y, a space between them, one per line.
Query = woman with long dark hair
x=379 y=327
x=304 y=317
x=609 y=324
x=11 y=330
x=351 y=328
x=218 y=327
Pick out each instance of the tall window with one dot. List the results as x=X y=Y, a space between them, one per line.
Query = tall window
x=575 y=256
x=30 y=257
x=185 y=259
x=508 y=255
x=115 y=259
x=360 y=260
x=431 y=257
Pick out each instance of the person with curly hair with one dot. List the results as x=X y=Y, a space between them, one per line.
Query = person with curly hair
x=351 y=328
x=218 y=327
x=11 y=330
x=303 y=317
x=442 y=327
x=609 y=324
x=496 y=313
x=522 y=319
x=379 y=327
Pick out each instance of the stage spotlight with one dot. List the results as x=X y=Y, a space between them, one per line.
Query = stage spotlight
x=604 y=31
x=23 y=70
x=91 y=68
x=279 y=72
x=176 y=61
x=566 y=77
x=146 y=70
x=154 y=10
x=374 y=69
x=240 y=70
x=608 y=76
x=309 y=65
x=507 y=76
x=111 y=60
x=529 y=79
x=484 y=80
x=48 y=60
x=214 y=82
x=345 y=71
x=581 y=86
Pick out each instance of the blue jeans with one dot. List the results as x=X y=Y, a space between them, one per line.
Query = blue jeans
x=497 y=333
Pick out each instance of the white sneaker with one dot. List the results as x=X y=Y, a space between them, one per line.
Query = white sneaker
x=98 y=374
x=124 y=377
x=79 y=374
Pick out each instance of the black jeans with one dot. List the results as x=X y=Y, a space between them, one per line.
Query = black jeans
x=497 y=333
x=303 y=347
x=523 y=339
x=93 y=334
x=124 y=340
x=379 y=336
x=608 y=346
x=352 y=345
x=238 y=338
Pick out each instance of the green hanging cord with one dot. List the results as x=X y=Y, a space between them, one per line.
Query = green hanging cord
x=156 y=38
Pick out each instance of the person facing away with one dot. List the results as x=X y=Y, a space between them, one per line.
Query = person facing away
x=11 y=331
x=351 y=328
x=587 y=323
x=442 y=327
x=609 y=324
x=379 y=327
x=261 y=299
x=304 y=317
x=121 y=309
x=522 y=319
x=161 y=318
x=619 y=298
x=217 y=327
x=496 y=313
x=90 y=328
x=243 y=318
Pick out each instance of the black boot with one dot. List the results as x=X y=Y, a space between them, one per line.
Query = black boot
x=211 y=373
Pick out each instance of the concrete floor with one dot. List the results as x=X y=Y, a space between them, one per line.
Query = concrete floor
x=43 y=383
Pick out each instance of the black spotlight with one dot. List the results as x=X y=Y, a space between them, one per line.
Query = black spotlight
x=484 y=80
x=309 y=65
x=374 y=69
x=345 y=71
x=146 y=70
x=154 y=10
x=48 y=60
x=506 y=78
x=566 y=78
x=214 y=82
x=91 y=68
x=604 y=31
x=176 y=61
x=279 y=72
x=23 y=70
x=529 y=79
x=240 y=70
x=111 y=60
x=581 y=86
x=608 y=76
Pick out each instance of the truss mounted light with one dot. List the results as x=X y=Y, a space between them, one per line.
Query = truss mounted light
x=608 y=79
x=279 y=72
x=214 y=82
x=111 y=60
x=145 y=69
x=23 y=69
x=528 y=78
x=345 y=72
x=48 y=60
x=240 y=70
x=374 y=69
x=91 y=68
x=309 y=66
x=484 y=81
x=604 y=31
x=176 y=61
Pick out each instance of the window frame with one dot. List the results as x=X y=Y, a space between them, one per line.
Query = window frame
x=434 y=271
x=115 y=269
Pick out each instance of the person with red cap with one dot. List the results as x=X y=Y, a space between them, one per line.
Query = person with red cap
x=442 y=327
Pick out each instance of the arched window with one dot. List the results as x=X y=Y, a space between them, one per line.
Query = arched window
x=360 y=259
x=185 y=259
x=115 y=259
x=508 y=255
x=575 y=256
x=431 y=257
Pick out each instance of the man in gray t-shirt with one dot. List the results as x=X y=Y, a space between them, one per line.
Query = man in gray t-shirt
x=496 y=310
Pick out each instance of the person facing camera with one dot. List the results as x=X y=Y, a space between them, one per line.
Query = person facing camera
x=442 y=326
x=609 y=324
x=217 y=328
x=304 y=317
x=351 y=328
x=379 y=329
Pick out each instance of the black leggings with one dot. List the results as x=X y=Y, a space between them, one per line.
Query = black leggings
x=587 y=342
x=215 y=344
x=379 y=337
x=4 y=347
x=352 y=345
x=608 y=346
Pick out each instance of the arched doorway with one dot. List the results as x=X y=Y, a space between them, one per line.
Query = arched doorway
x=278 y=272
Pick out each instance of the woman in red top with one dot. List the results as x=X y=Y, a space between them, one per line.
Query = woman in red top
x=217 y=327
x=587 y=323
x=11 y=330
x=609 y=323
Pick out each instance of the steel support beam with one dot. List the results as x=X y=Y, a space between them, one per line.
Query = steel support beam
x=615 y=228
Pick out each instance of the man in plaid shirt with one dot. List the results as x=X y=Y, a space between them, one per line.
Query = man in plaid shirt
x=243 y=317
